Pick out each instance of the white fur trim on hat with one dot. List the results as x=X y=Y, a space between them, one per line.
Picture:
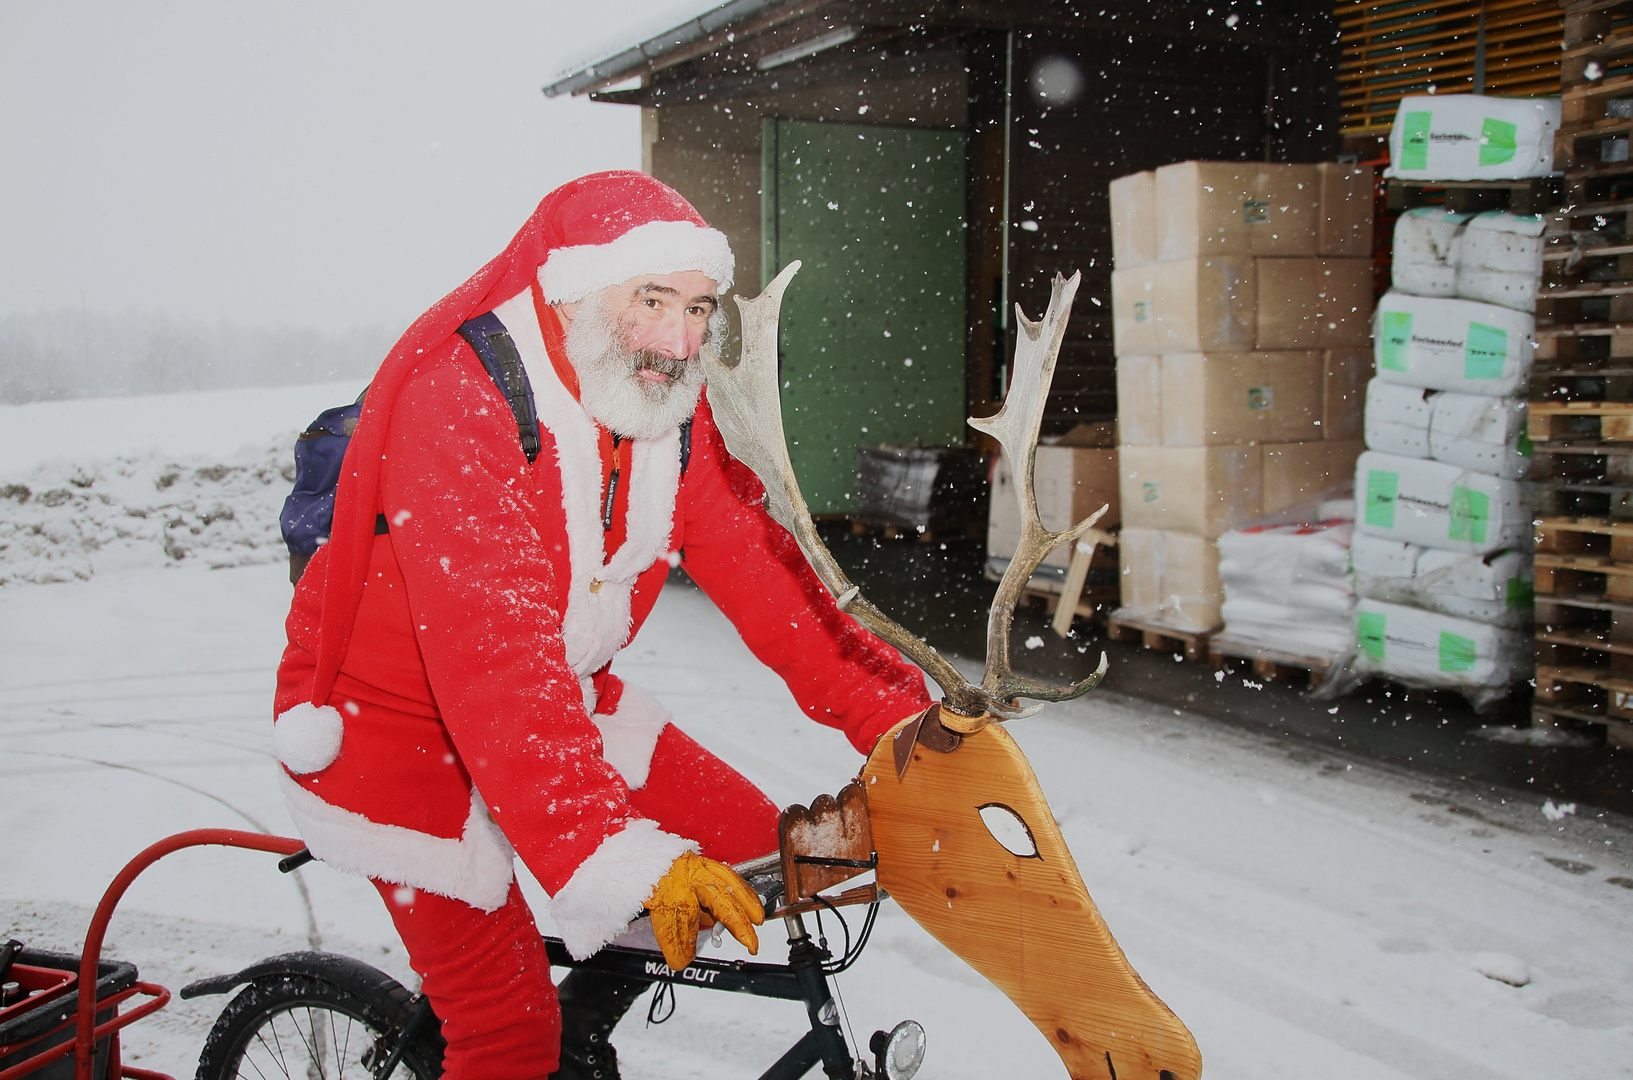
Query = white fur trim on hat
x=475 y=868
x=657 y=247
x=629 y=735
x=610 y=887
x=307 y=737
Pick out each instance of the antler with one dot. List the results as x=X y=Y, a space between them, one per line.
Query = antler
x=747 y=405
x=1015 y=426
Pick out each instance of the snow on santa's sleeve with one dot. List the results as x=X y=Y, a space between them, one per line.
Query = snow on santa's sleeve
x=752 y=569
x=467 y=527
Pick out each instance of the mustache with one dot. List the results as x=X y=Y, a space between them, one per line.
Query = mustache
x=651 y=361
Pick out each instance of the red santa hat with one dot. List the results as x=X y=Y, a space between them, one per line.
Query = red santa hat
x=592 y=232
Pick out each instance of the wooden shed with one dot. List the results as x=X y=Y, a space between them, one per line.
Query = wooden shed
x=933 y=163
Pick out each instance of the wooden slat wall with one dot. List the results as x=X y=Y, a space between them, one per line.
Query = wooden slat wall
x=1392 y=48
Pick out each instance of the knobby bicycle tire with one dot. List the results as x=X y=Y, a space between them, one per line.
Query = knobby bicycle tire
x=295 y=1026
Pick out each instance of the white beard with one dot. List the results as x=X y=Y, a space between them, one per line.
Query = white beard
x=610 y=386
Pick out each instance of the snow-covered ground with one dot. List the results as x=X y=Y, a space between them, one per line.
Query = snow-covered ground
x=1306 y=915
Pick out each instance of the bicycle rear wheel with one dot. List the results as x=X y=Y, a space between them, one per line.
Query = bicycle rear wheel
x=294 y=1026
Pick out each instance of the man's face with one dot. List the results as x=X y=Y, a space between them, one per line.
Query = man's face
x=635 y=348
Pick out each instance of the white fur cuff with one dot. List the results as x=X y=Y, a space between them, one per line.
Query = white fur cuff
x=307 y=737
x=609 y=888
x=629 y=735
x=657 y=247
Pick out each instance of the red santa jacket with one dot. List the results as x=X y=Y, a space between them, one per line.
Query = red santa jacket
x=475 y=689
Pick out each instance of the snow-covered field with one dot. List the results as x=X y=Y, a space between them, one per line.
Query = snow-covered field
x=1306 y=915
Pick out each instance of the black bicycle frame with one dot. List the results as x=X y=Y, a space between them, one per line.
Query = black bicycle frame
x=801 y=979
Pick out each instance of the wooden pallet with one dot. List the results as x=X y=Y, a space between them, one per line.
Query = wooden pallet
x=1194 y=644
x=1528 y=196
x=1585 y=536
x=1271 y=665
x=1580 y=421
x=1618 y=733
x=1593 y=576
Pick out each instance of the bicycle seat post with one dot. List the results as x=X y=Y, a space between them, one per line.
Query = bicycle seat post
x=805 y=957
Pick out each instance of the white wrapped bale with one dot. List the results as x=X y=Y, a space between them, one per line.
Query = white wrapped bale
x=1425 y=648
x=1428 y=241
x=1460 y=345
x=1287 y=587
x=1479 y=432
x=1500 y=260
x=1438 y=505
x=1493 y=589
x=1397 y=418
x=1472 y=137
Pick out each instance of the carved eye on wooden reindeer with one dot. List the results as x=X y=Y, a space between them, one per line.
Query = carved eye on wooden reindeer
x=1007 y=827
x=940 y=789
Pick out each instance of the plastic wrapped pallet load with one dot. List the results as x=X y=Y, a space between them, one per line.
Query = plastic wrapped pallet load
x=1424 y=257
x=1425 y=648
x=1472 y=430
x=1493 y=588
x=1439 y=505
x=1287 y=586
x=1461 y=345
x=1472 y=137
x=1500 y=260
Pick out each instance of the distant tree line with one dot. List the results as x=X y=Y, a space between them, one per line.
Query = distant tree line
x=51 y=355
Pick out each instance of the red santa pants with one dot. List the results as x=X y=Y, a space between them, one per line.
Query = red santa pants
x=486 y=973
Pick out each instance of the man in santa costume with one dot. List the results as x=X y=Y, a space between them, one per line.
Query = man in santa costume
x=446 y=701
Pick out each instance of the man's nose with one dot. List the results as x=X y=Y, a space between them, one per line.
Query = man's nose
x=672 y=337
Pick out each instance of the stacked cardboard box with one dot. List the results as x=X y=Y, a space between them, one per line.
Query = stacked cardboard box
x=1241 y=300
x=1073 y=475
x=1442 y=524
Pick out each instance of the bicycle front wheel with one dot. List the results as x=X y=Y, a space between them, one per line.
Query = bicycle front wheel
x=295 y=1026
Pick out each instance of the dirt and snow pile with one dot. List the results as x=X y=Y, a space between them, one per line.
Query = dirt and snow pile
x=67 y=520
x=102 y=484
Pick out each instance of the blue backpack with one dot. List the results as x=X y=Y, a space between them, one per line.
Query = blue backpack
x=309 y=511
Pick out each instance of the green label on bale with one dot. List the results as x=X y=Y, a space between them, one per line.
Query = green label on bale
x=1142 y=311
x=1456 y=653
x=1524 y=445
x=1470 y=511
x=1380 y=506
x=1396 y=342
x=1256 y=212
x=1497 y=142
x=1415 y=140
x=1369 y=630
x=1520 y=593
x=1260 y=397
x=1485 y=353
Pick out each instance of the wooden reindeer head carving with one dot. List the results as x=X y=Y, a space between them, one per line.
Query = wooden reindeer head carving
x=965 y=840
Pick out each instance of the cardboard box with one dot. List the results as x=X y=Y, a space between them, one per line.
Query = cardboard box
x=1313 y=303
x=1347 y=201
x=1214 y=399
x=1193 y=305
x=1203 y=490
x=1139 y=400
x=1213 y=208
x=1345 y=373
x=1134 y=219
x=1294 y=472
x=1070 y=483
x=1170 y=578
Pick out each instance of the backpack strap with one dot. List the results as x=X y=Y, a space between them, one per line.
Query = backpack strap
x=493 y=345
x=685 y=446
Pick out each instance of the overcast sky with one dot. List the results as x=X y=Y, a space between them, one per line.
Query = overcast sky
x=294 y=163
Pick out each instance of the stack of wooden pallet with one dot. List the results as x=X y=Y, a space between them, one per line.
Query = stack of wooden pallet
x=1581 y=418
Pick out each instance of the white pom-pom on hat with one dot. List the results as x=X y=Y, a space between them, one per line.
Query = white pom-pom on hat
x=307 y=737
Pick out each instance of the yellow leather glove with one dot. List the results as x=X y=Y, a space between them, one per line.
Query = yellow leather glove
x=694 y=885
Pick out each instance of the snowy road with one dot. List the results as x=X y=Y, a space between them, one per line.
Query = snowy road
x=1307 y=916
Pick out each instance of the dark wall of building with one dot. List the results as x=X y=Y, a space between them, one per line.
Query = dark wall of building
x=1141 y=103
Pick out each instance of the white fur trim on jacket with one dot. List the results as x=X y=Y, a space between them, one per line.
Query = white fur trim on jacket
x=609 y=888
x=306 y=737
x=596 y=623
x=629 y=734
x=657 y=247
x=476 y=868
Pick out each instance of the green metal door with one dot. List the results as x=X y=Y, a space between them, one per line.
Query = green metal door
x=873 y=327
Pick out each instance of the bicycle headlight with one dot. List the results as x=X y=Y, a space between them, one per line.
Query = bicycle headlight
x=900 y=1053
